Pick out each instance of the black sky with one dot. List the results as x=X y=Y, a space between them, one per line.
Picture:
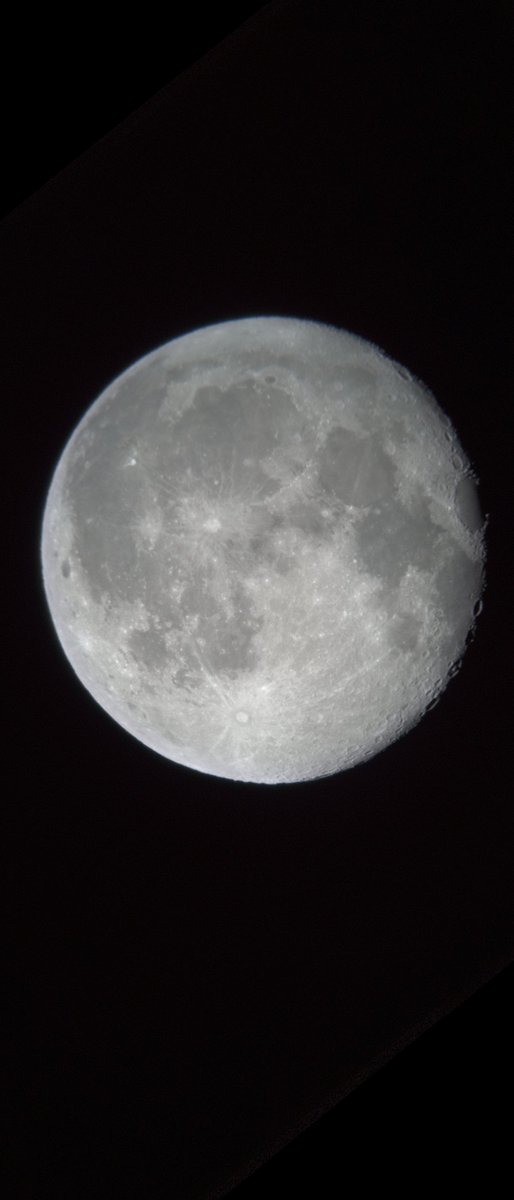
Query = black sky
x=197 y=970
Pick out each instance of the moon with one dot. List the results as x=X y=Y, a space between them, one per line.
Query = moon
x=263 y=551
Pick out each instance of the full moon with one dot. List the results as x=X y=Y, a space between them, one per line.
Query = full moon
x=263 y=551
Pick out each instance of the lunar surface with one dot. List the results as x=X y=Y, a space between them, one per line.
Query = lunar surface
x=263 y=551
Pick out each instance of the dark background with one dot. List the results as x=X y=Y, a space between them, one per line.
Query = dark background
x=206 y=977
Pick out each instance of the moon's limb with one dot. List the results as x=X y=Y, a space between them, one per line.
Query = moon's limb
x=262 y=547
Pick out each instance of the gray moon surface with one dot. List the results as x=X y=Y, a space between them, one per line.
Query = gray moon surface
x=263 y=550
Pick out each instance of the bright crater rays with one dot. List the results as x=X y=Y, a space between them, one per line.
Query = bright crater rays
x=263 y=550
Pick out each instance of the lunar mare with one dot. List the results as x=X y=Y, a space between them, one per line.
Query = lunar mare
x=263 y=550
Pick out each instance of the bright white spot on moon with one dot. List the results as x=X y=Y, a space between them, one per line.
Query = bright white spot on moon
x=263 y=550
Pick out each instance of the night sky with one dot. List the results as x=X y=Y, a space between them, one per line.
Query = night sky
x=215 y=986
